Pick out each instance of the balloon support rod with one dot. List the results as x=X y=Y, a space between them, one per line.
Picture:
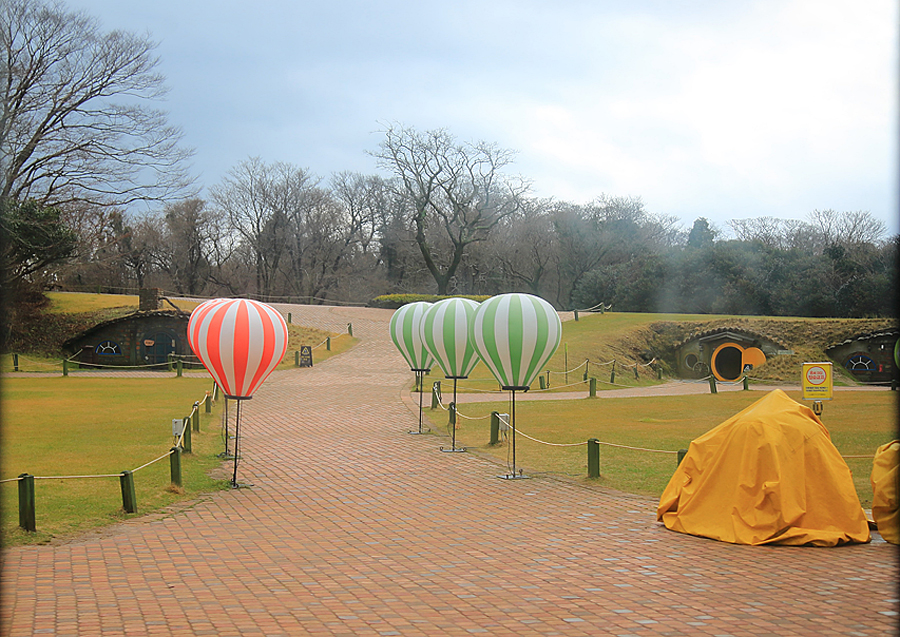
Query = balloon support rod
x=453 y=448
x=513 y=474
x=420 y=385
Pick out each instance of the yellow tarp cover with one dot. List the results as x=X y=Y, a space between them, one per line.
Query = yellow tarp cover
x=884 y=490
x=768 y=475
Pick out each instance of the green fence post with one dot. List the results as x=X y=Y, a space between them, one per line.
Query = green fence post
x=746 y=383
x=328 y=343
x=179 y=367
x=681 y=454
x=129 y=502
x=576 y=316
x=350 y=329
x=26 y=502
x=15 y=362
x=169 y=362
x=289 y=318
x=593 y=388
x=208 y=402
x=712 y=385
x=612 y=374
x=196 y=422
x=636 y=377
x=175 y=465
x=296 y=358
x=593 y=458
x=65 y=367
x=186 y=440
x=495 y=427
x=659 y=373
x=543 y=382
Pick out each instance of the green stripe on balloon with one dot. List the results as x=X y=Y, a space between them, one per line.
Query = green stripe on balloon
x=405 y=332
x=445 y=332
x=515 y=335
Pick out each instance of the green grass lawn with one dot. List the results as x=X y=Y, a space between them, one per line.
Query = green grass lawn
x=88 y=426
x=858 y=422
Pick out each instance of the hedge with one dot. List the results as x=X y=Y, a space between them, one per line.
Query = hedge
x=393 y=301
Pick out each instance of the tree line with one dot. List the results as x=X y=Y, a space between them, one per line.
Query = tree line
x=82 y=142
x=274 y=231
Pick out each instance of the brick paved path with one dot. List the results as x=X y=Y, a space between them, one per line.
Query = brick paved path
x=354 y=527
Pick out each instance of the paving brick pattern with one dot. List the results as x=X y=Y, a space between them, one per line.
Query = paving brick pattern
x=354 y=527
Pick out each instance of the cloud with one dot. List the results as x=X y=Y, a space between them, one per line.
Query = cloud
x=712 y=109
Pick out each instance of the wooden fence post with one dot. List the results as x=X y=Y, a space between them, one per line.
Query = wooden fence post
x=175 y=465
x=495 y=428
x=593 y=458
x=26 y=502
x=129 y=501
x=186 y=440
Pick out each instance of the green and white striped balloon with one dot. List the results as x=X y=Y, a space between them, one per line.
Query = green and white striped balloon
x=515 y=335
x=406 y=333
x=445 y=331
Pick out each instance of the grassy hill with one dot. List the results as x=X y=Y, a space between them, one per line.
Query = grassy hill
x=71 y=313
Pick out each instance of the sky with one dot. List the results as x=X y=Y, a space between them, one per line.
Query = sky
x=722 y=110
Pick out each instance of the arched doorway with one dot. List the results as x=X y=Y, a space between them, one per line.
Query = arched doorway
x=726 y=362
x=157 y=347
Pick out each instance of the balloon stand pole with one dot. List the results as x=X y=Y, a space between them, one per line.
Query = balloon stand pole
x=237 y=447
x=513 y=475
x=225 y=455
x=420 y=385
x=454 y=419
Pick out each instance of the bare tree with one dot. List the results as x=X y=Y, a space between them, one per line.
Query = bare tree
x=526 y=246
x=76 y=121
x=260 y=203
x=191 y=231
x=458 y=189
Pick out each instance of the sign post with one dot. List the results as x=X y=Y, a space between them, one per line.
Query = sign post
x=818 y=384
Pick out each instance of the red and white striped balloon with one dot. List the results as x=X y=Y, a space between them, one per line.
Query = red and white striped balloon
x=239 y=341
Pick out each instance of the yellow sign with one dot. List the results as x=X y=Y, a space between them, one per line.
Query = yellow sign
x=817 y=381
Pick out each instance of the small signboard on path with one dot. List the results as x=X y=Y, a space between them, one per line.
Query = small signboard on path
x=306 y=356
x=817 y=381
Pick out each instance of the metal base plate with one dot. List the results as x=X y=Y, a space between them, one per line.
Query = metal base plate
x=455 y=450
x=514 y=476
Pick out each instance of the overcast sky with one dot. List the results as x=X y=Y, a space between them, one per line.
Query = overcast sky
x=721 y=109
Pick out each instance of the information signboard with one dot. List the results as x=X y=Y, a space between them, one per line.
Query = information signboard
x=817 y=381
x=306 y=356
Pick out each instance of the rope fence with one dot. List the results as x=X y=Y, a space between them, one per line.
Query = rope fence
x=182 y=444
x=501 y=426
x=174 y=363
